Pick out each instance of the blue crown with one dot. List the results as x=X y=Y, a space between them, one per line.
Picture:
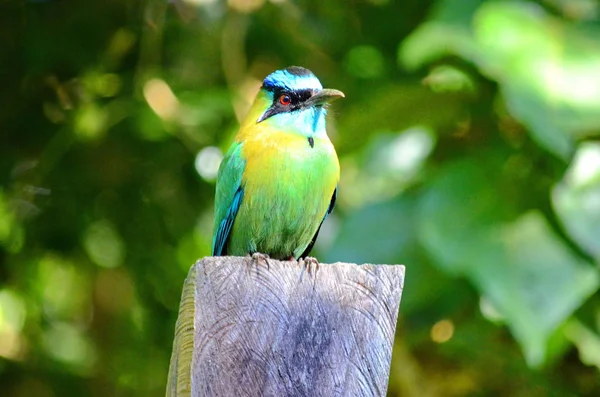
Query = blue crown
x=292 y=79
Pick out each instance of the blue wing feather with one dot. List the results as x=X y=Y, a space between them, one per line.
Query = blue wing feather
x=228 y=198
x=225 y=226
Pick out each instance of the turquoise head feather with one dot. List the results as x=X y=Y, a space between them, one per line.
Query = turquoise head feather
x=297 y=101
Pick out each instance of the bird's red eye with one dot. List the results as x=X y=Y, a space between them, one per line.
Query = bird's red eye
x=285 y=100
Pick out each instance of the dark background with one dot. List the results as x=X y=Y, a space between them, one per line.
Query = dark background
x=469 y=149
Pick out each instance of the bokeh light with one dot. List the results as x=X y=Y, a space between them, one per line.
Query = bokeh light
x=442 y=331
x=161 y=99
x=103 y=244
x=207 y=162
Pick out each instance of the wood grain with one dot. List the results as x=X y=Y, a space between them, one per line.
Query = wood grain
x=245 y=329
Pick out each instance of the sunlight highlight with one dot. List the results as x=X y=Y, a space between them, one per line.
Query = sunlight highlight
x=12 y=320
x=576 y=83
x=161 y=98
x=410 y=149
x=585 y=168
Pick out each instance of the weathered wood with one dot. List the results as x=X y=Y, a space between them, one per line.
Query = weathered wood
x=248 y=330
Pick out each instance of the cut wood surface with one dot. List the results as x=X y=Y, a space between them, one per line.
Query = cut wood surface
x=248 y=329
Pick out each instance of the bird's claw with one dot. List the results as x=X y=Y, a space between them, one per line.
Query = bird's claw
x=258 y=259
x=309 y=263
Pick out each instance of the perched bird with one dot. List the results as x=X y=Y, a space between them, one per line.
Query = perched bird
x=278 y=181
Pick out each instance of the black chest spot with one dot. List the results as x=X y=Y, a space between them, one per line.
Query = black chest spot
x=311 y=141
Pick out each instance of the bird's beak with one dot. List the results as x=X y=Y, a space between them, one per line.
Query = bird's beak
x=324 y=96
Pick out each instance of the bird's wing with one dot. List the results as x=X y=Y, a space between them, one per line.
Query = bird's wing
x=228 y=197
x=312 y=242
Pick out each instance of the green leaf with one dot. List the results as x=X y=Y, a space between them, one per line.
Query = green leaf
x=576 y=199
x=546 y=67
x=456 y=210
x=467 y=224
x=378 y=233
x=448 y=31
x=586 y=340
x=533 y=279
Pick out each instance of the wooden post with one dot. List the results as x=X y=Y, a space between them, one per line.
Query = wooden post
x=245 y=329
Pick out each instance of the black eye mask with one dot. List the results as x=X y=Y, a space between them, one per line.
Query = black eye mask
x=298 y=100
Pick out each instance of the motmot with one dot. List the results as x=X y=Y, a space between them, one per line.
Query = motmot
x=278 y=181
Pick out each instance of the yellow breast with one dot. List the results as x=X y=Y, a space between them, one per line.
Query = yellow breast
x=274 y=156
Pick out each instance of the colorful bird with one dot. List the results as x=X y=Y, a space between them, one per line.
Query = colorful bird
x=278 y=181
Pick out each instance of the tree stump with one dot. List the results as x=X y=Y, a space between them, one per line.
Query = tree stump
x=248 y=329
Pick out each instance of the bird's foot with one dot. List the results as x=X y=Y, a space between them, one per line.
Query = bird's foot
x=259 y=259
x=309 y=263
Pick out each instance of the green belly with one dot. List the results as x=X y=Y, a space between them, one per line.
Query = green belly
x=284 y=205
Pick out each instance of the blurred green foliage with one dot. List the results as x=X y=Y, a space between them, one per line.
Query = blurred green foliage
x=469 y=147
